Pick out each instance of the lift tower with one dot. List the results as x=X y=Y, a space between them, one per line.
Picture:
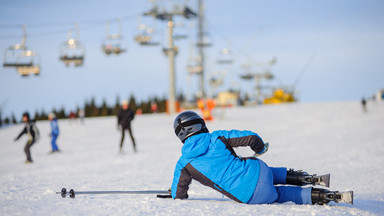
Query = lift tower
x=164 y=15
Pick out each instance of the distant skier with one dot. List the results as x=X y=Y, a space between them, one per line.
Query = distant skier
x=210 y=159
x=54 y=132
x=33 y=134
x=81 y=115
x=364 y=104
x=124 y=118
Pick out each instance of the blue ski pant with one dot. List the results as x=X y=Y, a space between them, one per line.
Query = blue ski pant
x=53 y=143
x=266 y=192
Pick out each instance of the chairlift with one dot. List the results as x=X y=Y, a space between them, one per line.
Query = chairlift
x=25 y=60
x=216 y=82
x=225 y=57
x=167 y=50
x=205 y=42
x=180 y=32
x=247 y=76
x=72 y=51
x=194 y=66
x=268 y=75
x=113 y=44
x=29 y=64
x=146 y=36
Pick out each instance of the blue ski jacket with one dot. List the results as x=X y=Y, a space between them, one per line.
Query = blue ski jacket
x=54 y=128
x=210 y=159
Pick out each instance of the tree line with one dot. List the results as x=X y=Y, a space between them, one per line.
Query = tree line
x=91 y=109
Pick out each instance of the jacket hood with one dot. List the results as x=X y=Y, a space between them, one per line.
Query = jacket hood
x=196 y=145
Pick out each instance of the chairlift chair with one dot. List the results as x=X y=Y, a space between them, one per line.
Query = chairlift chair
x=205 y=42
x=247 y=76
x=180 y=32
x=72 y=52
x=225 y=57
x=13 y=56
x=194 y=66
x=146 y=36
x=23 y=59
x=114 y=43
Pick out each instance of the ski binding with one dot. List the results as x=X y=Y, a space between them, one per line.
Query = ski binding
x=323 y=180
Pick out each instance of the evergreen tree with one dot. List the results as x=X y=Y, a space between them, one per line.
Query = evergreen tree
x=117 y=106
x=146 y=106
x=181 y=98
x=162 y=104
x=14 y=121
x=61 y=114
x=43 y=114
x=90 y=108
x=104 y=109
x=132 y=103
x=37 y=116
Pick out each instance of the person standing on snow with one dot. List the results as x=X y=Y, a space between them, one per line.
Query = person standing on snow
x=210 y=159
x=364 y=104
x=54 y=132
x=33 y=134
x=124 y=118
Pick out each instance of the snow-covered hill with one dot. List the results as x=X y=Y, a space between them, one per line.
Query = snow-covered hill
x=335 y=137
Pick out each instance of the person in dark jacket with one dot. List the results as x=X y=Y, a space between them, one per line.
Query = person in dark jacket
x=33 y=134
x=210 y=159
x=124 y=118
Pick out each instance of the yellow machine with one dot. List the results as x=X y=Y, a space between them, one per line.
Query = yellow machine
x=280 y=96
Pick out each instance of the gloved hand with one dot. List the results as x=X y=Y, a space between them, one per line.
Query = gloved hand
x=266 y=146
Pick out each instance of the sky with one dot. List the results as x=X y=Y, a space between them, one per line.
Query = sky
x=326 y=50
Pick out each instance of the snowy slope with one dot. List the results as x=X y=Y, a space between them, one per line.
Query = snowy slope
x=335 y=137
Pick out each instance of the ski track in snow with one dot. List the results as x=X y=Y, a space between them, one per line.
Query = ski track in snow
x=329 y=137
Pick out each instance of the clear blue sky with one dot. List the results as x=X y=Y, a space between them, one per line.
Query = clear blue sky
x=345 y=38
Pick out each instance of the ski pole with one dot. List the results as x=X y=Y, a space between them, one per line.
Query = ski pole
x=164 y=193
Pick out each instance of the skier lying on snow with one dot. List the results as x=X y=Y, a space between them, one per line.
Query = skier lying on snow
x=210 y=159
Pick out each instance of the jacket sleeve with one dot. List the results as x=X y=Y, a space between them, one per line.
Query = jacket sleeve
x=236 y=138
x=21 y=133
x=181 y=181
x=131 y=115
x=118 y=117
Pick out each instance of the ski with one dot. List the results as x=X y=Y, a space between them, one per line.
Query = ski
x=72 y=193
x=323 y=180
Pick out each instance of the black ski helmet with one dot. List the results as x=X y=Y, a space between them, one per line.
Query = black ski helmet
x=26 y=114
x=187 y=124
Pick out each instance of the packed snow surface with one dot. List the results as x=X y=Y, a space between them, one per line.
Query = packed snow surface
x=333 y=137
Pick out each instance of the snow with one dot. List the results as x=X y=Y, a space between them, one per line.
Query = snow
x=329 y=137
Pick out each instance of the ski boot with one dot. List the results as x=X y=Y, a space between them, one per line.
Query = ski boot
x=303 y=178
x=324 y=196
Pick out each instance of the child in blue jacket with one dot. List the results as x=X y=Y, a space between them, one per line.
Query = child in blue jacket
x=210 y=159
x=54 y=132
